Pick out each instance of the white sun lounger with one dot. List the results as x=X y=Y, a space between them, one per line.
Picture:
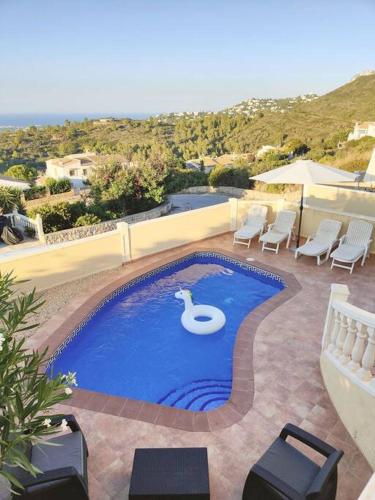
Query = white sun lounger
x=279 y=231
x=322 y=242
x=254 y=225
x=354 y=245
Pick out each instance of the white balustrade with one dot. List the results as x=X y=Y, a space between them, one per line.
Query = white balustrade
x=23 y=222
x=350 y=338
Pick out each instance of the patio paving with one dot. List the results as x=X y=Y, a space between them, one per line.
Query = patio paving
x=288 y=384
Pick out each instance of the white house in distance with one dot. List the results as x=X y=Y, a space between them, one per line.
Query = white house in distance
x=7 y=181
x=264 y=150
x=77 y=168
x=362 y=129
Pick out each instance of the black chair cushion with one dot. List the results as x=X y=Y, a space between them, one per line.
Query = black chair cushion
x=70 y=452
x=289 y=465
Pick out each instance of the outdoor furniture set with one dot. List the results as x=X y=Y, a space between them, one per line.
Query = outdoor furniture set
x=351 y=247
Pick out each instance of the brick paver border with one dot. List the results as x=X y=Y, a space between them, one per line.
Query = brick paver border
x=242 y=394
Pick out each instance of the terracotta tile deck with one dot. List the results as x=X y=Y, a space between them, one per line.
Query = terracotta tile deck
x=287 y=387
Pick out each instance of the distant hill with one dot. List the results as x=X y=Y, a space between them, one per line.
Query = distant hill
x=251 y=107
x=318 y=120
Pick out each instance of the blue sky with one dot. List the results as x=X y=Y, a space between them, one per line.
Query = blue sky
x=170 y=55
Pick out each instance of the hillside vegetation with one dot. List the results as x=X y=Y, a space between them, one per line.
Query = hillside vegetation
x=320 y=124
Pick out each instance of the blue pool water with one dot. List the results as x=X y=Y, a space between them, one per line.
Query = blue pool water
x=135 y=346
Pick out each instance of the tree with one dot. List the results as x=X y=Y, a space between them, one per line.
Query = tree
x=27 y=394
x=22 y=171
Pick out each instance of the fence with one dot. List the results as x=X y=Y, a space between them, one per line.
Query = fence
x=348 y=363
x=22 y=222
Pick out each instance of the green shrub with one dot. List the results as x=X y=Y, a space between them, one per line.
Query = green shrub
x=23 y=172
x=58 y=216
x=10 y=198
x=27 y=395
x=86 y=220
x=57 y=186
x=55 y=217
x=183 y=178
x=30 y=232
x=35 y=192
x=229 y=176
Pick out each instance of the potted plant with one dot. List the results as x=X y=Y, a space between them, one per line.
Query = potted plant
x=27 y=394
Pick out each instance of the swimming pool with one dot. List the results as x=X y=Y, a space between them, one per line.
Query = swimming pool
x=133 y=345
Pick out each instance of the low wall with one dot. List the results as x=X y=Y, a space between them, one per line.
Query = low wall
x=70 y=196
x=355 y=406
x=47 y=266
x=76 y=233
x=168 y=232
x=248 y=194
x=320 y=202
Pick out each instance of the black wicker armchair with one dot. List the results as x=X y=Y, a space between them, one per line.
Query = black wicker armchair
x=283 y=472
x=64 y=467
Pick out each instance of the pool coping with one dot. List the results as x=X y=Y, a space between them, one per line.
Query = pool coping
x=242 y=393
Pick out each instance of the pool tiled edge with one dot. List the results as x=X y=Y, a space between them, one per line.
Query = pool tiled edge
x=243 y=377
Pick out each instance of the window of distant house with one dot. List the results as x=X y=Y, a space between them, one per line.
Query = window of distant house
x=71 y=173
x=84 y=171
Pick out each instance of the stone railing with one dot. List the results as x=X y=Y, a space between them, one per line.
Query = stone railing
x=77 y=233
x=348 y=367
x=349 y=338
x=23 y=223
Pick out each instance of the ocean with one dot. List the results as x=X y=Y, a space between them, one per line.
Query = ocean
x=21 y=120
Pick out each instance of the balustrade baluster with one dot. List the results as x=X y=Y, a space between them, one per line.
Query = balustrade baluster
x=359 y=348
x=368 y=360
x=334 y=331
x=341 y=337
x=349 y=342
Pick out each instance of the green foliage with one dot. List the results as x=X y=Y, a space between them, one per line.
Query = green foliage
x=86 y=220
x=10 y=198
x=30 y=232
x=296 y=147
x=58 y=216
x=22 y=172
x=57 y=186
x=27 y=395
x=229 y=176
x=183 y=178
x=35 y=192
x=126 y=188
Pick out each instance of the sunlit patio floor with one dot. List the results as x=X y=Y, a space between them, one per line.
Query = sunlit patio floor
x=288 y=384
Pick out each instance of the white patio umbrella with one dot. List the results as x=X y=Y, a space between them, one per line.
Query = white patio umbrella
x=305 y=172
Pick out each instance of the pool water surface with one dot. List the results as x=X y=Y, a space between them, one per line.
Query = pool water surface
x=135 y=346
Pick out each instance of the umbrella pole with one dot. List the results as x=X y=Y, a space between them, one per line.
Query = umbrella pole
x=300 y=217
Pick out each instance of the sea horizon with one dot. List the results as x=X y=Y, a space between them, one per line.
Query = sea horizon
x=21 y=120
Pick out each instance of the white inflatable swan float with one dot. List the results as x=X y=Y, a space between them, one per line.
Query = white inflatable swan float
x=189 y=316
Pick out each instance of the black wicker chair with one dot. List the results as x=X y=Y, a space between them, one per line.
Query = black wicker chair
x=283 y=472
x=64 y=467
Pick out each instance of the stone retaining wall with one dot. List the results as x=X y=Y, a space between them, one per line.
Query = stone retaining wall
x=247 y=194
x=77 y=233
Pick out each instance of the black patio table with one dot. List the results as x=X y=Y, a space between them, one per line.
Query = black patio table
x=170 y=473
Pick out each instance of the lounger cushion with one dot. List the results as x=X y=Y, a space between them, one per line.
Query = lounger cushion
x=247 y=232
x=348 y=253
x=290 y=465
x=70 y=453
x=273 y=236
x=313 y=248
